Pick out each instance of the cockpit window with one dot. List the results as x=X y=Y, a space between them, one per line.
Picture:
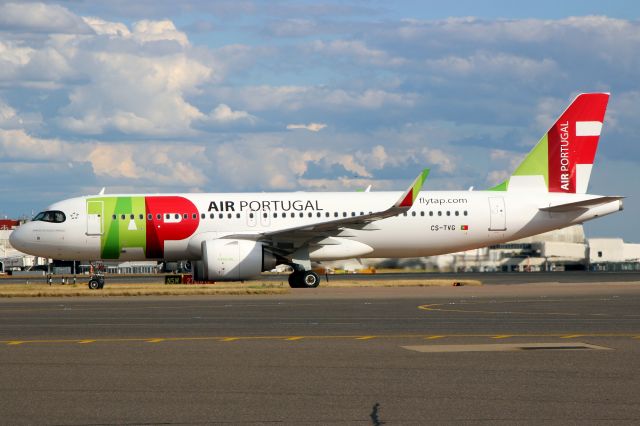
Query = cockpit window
x=53 y=216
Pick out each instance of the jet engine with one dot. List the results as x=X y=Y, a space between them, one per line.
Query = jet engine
x=232 y=260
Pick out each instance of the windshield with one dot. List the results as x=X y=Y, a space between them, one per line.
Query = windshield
x=53 y=216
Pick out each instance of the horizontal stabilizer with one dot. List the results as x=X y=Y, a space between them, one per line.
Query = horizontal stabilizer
x=579 y=205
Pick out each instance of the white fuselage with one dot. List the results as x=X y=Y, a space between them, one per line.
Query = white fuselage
x=439 y=222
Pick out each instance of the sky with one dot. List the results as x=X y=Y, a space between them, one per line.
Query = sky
x=233 y=96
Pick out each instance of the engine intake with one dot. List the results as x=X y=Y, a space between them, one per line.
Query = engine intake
x=233 y=260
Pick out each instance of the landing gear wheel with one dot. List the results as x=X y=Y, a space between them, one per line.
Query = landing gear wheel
x=94 y=285
x=295 y=279
x=309 y=279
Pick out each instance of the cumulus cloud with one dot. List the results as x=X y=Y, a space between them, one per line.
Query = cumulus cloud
x=135 y=95
x=358 y=50
x=312 y=127
x=295 y=98
x=166 y=164
x=40 y=18
x=223 y=114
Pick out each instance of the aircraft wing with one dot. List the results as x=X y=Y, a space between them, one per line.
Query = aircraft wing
x=579 y=205
x=327 y=228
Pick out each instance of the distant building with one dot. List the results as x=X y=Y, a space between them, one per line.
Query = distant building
x=613 y=254
x=8 y=224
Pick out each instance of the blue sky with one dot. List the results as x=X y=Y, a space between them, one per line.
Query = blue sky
x=165 y=96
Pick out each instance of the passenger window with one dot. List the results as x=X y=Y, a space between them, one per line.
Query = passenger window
x=310 y=214
x=229 y=215
x=113 y=217
x=131 y=217
x=237 y=215
x=465 y=212
x=326 y=214
x=413 y=214
x=251 y=215
x=211 y=215
x=185 y=216
x=344 y=214
x=439 y=213
x=275 y=215
x=264 y=215
x=457 y=213
x=178 y=216
x=122 y=217
x=404 y=214
x=203 y=216
x=301 y=214
x=293 y=214
x=158 y=216
x=430 y=213
x=221 y=216
x=335 y=214
x=448 y=213
x=194 y=216
x=422 y=213
x=353 y=214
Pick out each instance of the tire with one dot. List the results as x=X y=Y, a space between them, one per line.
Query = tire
x=309 y=280
x=94 y=284
x=294 y=279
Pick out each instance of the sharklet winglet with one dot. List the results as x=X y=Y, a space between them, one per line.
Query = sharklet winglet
x=408 y=198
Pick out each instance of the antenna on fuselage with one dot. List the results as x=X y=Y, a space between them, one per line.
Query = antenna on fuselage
x=102 y=191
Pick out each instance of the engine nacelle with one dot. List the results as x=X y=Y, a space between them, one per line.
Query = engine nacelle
x=233 y=260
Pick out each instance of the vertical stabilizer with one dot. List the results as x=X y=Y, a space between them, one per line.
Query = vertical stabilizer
x=562 y=160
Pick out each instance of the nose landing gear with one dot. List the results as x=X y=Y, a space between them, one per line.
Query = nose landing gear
x=96 y=282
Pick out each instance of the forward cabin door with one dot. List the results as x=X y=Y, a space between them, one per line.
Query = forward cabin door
x=95 y=215
x=498 y=215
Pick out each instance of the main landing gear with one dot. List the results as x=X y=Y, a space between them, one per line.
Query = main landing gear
x=303 y=279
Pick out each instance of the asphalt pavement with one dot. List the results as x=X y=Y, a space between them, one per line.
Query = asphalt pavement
x=328 y=356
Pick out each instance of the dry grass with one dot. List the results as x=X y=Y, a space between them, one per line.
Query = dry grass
x=146 y=289
x=231 y=288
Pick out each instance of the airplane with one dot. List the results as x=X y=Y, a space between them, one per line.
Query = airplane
x=236 y=236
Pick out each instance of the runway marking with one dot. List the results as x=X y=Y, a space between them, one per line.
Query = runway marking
x=438 y=307
x=503 y=347
x=492 y=336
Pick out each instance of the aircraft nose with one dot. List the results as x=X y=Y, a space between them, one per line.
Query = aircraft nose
x=17 y=239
